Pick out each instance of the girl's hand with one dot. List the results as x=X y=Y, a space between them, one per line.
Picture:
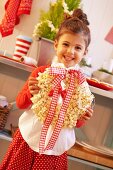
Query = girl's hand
x=89 y=111
x=88 y=114
x=33 y=85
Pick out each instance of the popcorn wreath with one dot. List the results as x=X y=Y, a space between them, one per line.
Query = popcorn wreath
x=80 y=100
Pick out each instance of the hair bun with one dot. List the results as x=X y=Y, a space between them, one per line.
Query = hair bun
x=78 y=13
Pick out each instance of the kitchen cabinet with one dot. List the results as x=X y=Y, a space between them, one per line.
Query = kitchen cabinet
x=12 y=77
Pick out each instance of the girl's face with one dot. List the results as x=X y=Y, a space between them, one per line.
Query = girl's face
x=70 y=49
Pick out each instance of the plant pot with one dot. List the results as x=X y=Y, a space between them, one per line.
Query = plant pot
x=46 y=51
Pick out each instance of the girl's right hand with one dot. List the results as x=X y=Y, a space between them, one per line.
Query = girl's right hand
x=33 y=85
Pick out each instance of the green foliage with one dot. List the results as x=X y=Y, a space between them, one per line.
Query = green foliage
x=49 y=21
x=72 y=4
x=54 y=14
x=105 y=71
x=45 y=31
x=84 y=63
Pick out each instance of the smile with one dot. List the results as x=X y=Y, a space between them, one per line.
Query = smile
x=68 y=58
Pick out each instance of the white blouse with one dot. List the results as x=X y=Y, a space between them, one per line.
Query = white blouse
x=30 y=128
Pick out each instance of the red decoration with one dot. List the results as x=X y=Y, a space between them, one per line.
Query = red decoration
x=60 y=75
x=109 y=36
x=13 y=9
x=22 y=46
x=100 y=85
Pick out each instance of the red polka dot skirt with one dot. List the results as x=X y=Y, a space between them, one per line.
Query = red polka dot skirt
x=21 y=157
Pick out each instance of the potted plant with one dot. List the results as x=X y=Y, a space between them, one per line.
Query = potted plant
x=45 y=30
x=49 y=21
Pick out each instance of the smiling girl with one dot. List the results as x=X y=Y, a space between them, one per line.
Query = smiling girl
x=46 y=131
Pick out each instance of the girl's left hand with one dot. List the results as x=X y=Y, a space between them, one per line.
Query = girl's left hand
x=88 y=114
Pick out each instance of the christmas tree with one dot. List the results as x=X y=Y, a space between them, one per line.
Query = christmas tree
x=49 y=21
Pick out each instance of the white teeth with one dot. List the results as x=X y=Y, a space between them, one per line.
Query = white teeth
x=68 y=58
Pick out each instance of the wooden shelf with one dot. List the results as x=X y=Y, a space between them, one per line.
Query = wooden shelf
x=16 y=64
x=82 y=155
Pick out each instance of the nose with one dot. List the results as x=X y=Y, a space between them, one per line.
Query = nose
x=71 y=50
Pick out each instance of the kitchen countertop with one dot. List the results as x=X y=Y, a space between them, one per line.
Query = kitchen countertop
x=90 y=156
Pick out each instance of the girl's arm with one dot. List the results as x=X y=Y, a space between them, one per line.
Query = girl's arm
x=23 y=98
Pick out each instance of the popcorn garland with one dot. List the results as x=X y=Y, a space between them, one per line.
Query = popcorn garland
x=80 y=100
x=56 y=112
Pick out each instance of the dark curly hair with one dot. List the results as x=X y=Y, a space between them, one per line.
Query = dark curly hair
x=77 y=23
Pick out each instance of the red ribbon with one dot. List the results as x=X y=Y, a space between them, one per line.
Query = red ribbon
x=60 y=91
x=60 y=74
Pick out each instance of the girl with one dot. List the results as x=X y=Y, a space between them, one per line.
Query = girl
x=30 y=148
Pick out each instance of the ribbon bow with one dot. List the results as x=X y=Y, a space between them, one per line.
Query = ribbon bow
x=60 y=91
x=60 y=74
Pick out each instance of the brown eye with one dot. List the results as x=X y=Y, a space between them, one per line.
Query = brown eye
x=78 y=48
x=65 y=44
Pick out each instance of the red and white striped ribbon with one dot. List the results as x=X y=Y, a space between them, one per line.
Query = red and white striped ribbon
x=81 y=77
x=60 y=72
x=63 y=109
x=48 y=121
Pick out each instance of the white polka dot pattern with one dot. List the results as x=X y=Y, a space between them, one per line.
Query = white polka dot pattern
x=13 y=9
x=20 y=157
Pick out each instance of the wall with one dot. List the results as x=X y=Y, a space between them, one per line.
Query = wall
x=99 y=14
